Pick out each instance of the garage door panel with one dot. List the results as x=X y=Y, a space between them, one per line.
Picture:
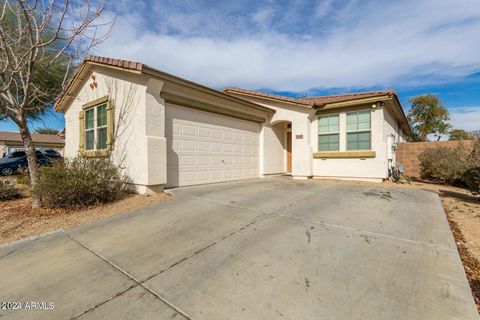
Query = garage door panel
x=203 y=133
x=203 y=160
x=216 y=147
x=204 y=147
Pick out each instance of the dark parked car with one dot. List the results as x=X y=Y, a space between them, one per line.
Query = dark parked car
x=18 y=159
x=51 y=154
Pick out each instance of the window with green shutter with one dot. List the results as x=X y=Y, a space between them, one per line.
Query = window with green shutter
x=328 y=133
x=96 y=128
x=359 y=130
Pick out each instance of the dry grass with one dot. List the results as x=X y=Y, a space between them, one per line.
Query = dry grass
x=18 y=220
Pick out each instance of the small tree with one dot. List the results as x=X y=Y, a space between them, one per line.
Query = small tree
x=39 y=42
x=46 y=130
x=459 y=134
x=427 y=114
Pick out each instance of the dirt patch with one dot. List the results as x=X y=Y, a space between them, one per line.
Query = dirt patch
x=463 y=213
x=18 y=220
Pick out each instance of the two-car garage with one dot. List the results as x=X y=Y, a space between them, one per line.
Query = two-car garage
x=204 y=147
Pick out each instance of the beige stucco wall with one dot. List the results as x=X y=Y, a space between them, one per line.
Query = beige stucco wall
x=369 y=168
x=305 y=143
x=272 y=146
x=139 y=131
x=300 y=119
x=140 y=143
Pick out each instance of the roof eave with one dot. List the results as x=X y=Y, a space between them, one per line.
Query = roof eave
x=196 y=86
x=66 y=98
x=301 y=104
x=379 y=98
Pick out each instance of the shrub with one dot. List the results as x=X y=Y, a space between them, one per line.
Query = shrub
x=442 y=164
x=80 y=182
x=471 y=177
x=8 y=192
x=23 y=177
x=452 y=166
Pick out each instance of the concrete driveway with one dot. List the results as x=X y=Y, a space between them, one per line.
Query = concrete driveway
x=262 y=249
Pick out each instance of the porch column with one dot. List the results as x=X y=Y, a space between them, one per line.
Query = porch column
x=156 y=144
x=301 y=148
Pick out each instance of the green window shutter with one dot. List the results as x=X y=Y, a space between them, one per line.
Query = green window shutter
x=81 y=126
x=110 y=125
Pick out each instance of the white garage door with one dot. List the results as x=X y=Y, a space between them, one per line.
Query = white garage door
x=204 y=147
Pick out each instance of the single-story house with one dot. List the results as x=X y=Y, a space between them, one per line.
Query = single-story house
x=165 y=131
x=12 y=141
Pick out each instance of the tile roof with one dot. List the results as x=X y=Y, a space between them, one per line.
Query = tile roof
x=124 y=64
x=317 y=101
x=263 y=94
x=36 y=137
x=322 y=100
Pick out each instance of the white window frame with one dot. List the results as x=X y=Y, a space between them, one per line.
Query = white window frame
x=347 y=131
x=95 y=127
x=328 y=133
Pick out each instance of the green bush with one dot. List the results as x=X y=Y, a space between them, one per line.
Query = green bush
x=80 y=182
x=8 y=192
x=452 y=166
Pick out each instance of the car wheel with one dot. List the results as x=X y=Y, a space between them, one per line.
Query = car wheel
x=6 y=171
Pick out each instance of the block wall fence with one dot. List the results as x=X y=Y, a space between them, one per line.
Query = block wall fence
x=408 y=152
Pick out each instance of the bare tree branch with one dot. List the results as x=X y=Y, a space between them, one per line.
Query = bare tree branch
x=40 y=41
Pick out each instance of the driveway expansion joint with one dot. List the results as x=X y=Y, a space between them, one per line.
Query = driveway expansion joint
x=382 y=235
x=137 y=282
x=277 y=212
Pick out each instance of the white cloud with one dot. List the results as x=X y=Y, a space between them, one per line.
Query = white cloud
x=465 y=118
x=372 y=43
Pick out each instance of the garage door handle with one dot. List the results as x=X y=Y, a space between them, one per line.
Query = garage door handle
x=223 y=162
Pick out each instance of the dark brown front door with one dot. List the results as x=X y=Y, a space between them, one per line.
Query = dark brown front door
x=289 y=151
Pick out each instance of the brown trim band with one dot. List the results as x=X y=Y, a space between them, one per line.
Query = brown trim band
x=194 y=104
x=362 y=154
x=95 y=102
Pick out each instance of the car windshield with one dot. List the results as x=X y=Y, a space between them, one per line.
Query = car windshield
x=17 y=154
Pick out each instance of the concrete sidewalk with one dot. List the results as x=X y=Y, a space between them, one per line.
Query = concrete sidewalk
x=260 y=249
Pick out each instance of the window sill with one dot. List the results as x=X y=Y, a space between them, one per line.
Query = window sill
x=362 y=154
x=95 y=153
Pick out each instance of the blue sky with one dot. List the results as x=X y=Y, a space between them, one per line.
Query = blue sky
x=309 y=47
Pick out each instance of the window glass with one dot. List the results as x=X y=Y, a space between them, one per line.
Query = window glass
x=102 y=115
x=328 y=137
x=102 y=138
x=89 y=118
x=327 y=124
x=359 y=123
x=96 y=128
x=89 y=140
x=17 y=154
x=328 y=142
x=358 y=141
x=358 y=120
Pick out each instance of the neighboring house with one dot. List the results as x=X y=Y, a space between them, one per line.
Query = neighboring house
x=12 y=141
x=165 y=131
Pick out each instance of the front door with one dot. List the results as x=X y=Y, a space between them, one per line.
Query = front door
x=289 y=151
